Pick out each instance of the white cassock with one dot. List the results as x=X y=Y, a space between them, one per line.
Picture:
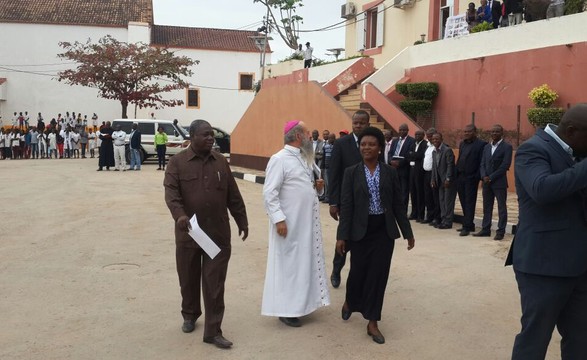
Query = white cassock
x=295 y=282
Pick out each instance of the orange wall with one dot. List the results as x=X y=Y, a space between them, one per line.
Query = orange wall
x=259 y=133
x=493 y=86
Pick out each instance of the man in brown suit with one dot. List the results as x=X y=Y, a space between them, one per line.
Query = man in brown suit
x=199 y=181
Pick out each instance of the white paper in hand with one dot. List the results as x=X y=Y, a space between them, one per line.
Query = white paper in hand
x=202 y=239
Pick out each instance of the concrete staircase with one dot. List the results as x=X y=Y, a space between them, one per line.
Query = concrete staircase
x=351 y=102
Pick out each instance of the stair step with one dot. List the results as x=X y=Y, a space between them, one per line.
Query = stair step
x=350 y=97
x=354 y=91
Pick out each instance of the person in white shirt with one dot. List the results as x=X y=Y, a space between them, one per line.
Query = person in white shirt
x=308 y=55
x=75 y=139
x=42 y=140
x=118 y=141
x=95 y=122
x=2 y=155
x=66 y=134
x=52 y=140
x=92 y=142
x=430 y=197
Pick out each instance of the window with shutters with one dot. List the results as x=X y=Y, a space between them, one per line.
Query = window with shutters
x=246 y=81
x=192 y=98
x=370 y=28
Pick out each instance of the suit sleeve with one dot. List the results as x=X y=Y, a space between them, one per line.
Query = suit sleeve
x=505 y=165
x=273 y=180
x=347 y=205
x=450 y=165
x=235 y=202
x=399 y=211
x=335 y=174
x=533 y=171
x=482 y=172
x=173 y=197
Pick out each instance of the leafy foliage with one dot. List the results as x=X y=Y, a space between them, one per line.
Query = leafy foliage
x=574 y=6
x=129 y=73
x=415 y=107
x=402 y=89
x=484 y=26
x=288 y=26
x=542 y=96
x=423 y=90
x=540 y=117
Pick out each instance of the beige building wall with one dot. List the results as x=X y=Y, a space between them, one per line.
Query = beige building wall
x=402 y=27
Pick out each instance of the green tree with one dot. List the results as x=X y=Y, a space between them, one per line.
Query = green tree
x=130 y=73
x=288 y=26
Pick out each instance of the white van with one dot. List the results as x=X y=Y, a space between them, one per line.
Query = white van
x=178 y=139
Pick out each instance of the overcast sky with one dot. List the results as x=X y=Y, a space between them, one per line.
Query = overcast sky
x=240 y=14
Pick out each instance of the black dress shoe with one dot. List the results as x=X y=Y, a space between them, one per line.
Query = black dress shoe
x=427 y=221
x=412 y=217
x=498 y=237
x=378 y=338
x=433 y=223
x=459 y=229
x=220 y=341
x=346 y=314
x=335 y=279
x=99 y=169
x=482 y=233
x=291 y=321
x=188 y=326
x=464 y=233
x=444 y=226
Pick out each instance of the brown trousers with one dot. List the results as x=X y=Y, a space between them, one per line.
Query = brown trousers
x=194 y=267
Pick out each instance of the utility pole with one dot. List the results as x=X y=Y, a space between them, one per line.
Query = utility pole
x=267 y=25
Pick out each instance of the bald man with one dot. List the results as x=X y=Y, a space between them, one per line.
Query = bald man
x=549 y=252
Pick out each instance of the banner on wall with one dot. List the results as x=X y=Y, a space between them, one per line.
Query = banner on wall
x=456 y=26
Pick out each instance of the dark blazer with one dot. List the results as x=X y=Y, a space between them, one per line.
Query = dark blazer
x=404 y=164
x=469 y=159
x=497 y=165
x=344 y=154
x=418 y=156
x=354 y=209
x=135 y=140
x=551 y=238
x=445 y=170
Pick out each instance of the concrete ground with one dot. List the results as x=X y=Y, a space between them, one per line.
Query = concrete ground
x=87 y=271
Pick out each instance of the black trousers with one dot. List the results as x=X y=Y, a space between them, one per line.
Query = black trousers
x=404 y=179
x=370 y=264
x=307 y=63
x=467 y=190
x=161 y=155
x=489 y=195
x=417 y=193
x=431 y=198
x=549 y=301
x=196 y=269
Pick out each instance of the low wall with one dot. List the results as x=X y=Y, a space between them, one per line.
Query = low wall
x=259 y=134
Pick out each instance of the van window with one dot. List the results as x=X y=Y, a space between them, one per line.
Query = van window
x=168 y=129
x=125 y=126
x=147 y=128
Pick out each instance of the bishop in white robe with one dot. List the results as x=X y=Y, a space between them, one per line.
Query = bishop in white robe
x=295 y=281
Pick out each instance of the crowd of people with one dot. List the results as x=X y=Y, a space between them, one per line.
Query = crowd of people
x=64 y=137
x=508 y=12
x=370 y=179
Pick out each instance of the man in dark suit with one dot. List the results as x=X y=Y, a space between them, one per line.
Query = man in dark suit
x=443 y=180
x=135 y=147
x=495 y=163
x=345 y=153
x=317 y=145
x=468 y=176
x=416 y=158
x=495 y=7
x=549 y=252
x=398 y=158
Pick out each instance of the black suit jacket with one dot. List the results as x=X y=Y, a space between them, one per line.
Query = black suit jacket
x=354 y=208
x=497 y=165
x=445 y=169
x=469 y=160
x=404 y=164
x=551 y=238
x=418 y=156
x=135 y=140
x=345 y=153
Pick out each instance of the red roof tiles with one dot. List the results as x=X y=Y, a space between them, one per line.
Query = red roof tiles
x=116 y=13
x=205 y=38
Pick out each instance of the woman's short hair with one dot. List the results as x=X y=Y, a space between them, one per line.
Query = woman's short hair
x=375 y=132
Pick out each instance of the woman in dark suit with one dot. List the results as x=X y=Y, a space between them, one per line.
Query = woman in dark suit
x=371 y=210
